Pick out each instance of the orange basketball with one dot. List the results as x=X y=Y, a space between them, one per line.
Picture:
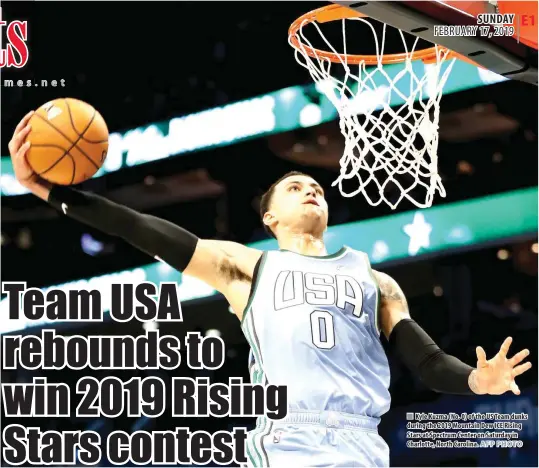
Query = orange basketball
x=69 y=141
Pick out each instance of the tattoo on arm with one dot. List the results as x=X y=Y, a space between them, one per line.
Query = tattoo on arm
x=390 y=290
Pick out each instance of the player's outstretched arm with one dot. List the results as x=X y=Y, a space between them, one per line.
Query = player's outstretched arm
x=220 y=264
x=439 y=371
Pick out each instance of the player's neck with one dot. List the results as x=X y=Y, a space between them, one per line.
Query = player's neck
x=304 y=244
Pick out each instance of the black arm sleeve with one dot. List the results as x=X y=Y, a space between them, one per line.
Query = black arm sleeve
x=154 y=236
x=437 y=370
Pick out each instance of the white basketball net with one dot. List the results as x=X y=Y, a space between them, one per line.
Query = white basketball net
x=390 y=153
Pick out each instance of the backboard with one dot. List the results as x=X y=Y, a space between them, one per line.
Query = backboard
x=509 y=51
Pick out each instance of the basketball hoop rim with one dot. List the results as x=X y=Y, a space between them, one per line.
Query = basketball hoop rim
x=336 y=12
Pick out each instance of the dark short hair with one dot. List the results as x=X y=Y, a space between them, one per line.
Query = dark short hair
x=265 y=201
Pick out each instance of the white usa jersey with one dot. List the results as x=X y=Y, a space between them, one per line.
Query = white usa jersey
x=311 y=323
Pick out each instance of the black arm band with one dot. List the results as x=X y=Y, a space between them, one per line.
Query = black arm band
x=154 y=236
x=437 y=370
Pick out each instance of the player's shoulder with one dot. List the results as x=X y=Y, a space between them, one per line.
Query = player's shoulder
x=388 y=285
x=364 y=256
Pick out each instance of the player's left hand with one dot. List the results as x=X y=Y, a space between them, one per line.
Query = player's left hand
x=497 y=375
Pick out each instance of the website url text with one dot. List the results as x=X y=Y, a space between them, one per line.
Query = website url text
x=33 y=83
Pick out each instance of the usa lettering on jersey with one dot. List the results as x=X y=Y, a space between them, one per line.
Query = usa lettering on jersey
x=294 y=288
x=16 y=53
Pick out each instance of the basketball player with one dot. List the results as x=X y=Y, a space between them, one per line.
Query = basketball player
x=313 y=319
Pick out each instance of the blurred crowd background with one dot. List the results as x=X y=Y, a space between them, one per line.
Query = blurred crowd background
x=141 y=67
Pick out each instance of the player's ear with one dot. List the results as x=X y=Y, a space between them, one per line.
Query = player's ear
x=269 y=219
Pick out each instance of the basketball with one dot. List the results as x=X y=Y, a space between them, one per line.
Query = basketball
x=69 y=140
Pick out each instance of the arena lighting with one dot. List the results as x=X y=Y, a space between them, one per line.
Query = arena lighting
x=497 y=157
x=438 y=291
x=515 y=307
x=310 y=115
x=281 y=111
x=464 y=167
x=24 y=239
x=91 y=246
x=400 y=237
x=150 y=326
x=503 y=254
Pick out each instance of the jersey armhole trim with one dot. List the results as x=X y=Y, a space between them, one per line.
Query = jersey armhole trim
x=377 y=306
x=255 y=283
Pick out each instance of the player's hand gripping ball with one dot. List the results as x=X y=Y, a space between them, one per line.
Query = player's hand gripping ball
x=69 y=141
